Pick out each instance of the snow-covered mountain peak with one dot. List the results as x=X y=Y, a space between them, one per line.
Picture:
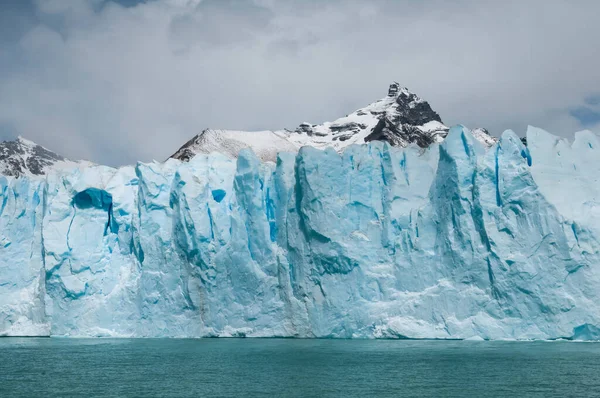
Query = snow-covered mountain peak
x=401 y=118
x=25 y=142
x=23 y=157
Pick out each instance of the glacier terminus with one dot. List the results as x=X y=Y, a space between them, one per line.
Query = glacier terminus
x=461 y=238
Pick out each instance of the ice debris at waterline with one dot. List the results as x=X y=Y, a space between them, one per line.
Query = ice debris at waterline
x=449 y=242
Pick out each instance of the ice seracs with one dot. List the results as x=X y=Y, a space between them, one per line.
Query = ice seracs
x=448 y=241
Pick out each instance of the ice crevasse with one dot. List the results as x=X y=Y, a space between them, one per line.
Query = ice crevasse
x=378 y=242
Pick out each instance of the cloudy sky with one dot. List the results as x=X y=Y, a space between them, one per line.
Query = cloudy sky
x=116 y=81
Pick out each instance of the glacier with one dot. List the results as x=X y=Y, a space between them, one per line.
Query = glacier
x=451 y=242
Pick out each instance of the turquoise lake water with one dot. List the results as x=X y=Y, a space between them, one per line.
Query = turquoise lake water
x=35 y=367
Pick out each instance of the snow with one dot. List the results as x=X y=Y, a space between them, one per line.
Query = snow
x=265 y=144
x=452 y=241
x=25 y=157
x=433 y=126
x=484 y=137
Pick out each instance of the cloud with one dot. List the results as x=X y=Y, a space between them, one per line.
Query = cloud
x=120 y=81
x=593 y=99
x=586 y=116
x=219 y=24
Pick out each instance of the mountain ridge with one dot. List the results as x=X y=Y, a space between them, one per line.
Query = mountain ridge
x=401 y=118
x=22 y=157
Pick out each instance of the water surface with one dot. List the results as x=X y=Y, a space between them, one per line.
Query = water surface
x=296 y=368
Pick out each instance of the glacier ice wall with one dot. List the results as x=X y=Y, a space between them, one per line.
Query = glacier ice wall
x=452 y=242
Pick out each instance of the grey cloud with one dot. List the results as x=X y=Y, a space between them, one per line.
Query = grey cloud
x=592 y=100
x=118 y=84
x=219 y=23
x=16 y=18
x=585 y=115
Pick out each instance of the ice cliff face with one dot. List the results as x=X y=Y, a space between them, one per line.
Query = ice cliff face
x=454 y=241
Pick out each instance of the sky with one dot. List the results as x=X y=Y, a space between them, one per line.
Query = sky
x=117 y=81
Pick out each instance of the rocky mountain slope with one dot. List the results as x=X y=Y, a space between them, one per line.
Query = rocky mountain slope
x=23 y=157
